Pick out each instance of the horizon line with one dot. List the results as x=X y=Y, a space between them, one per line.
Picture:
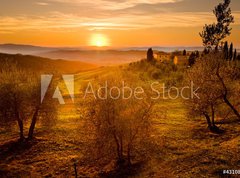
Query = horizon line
x=109 y=47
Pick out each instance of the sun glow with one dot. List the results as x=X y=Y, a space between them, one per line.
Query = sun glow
x=99 y=40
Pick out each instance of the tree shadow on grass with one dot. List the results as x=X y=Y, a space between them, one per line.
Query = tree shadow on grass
x=124 y=171
x=10 y=150
x=203 y=132
x=227 y=130
x=231 y=120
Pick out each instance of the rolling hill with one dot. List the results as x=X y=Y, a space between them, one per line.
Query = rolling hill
x=100 y=57
x=45 y=64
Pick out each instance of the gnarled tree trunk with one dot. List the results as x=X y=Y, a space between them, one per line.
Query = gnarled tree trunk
x=231 y=106
x=208 y=120
x=225 y=95
x=33 y=123
x=20 y=125
x=129 y=154
x=19 y=121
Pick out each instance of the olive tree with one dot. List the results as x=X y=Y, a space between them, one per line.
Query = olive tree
x=20 y=98
x=218 y=86
x=119 y=127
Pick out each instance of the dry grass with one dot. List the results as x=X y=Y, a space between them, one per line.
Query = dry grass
x=184 y=147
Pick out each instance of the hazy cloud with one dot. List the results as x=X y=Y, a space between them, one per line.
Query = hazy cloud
x=42 y=3
x=122 y=22
x=114 y=5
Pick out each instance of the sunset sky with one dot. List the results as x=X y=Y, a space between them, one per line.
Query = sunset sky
x=117 y=23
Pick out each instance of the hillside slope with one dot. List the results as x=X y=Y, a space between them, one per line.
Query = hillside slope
x=45 y=64
x=100 y=57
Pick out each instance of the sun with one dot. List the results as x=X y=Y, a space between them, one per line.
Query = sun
x=99 y=40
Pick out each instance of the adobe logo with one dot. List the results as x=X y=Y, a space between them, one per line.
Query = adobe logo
x=69 y=82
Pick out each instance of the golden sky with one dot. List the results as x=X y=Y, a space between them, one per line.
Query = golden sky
x=115 y=23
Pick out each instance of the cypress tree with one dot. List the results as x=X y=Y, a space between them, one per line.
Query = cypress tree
x=231 y=52
x=150 y=55
x=235 y=55
x=191 y=59
x=205 y=51
x=238 y=57
x=184 y=52
x=225 y=50
x=197 y=55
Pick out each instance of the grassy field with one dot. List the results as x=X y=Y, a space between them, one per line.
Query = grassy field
x=183 y=145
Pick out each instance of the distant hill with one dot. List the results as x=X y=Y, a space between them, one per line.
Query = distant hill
x=44 y=64
x=23 y=49
x=165 y=49
x=100 y=57
x=88 y=55
x=27 y=49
